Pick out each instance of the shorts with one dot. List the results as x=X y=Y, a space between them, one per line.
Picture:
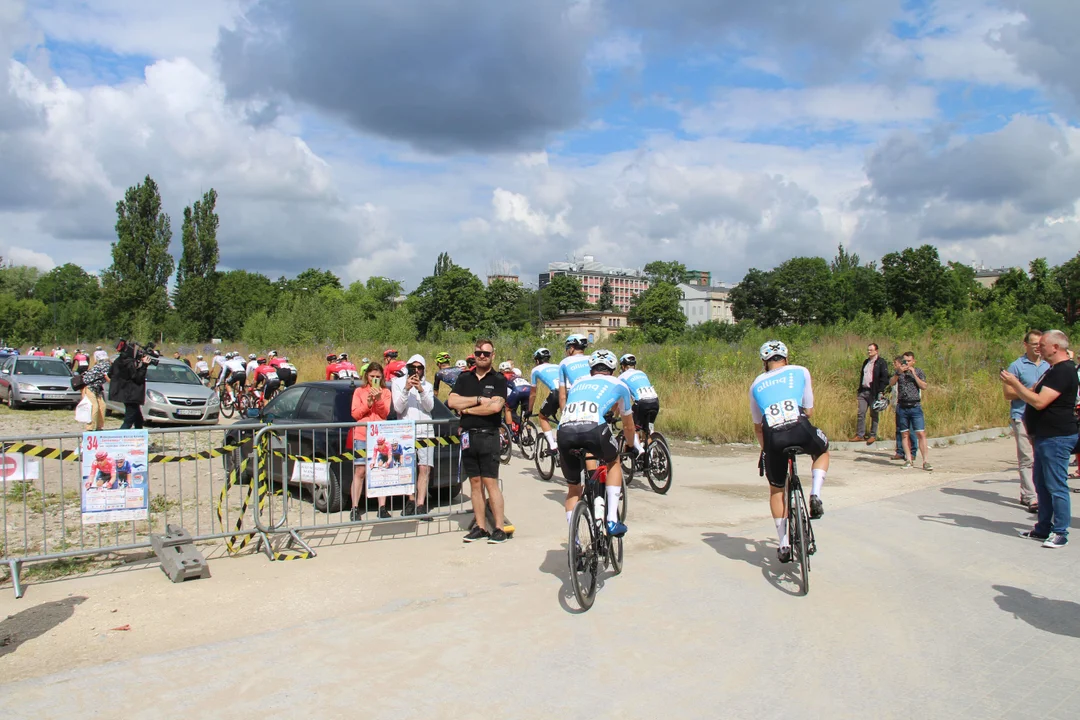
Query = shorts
x=271 y=386
x=551 y=406
x=237 y=378
x=798 y=434
x=645 y=412
x=287 y=376
x=425 y=456
x=910 y=419
x=481 y=458
x=517 y=399
x=595 y=439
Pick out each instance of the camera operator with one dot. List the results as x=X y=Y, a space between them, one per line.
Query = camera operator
x=127 y=382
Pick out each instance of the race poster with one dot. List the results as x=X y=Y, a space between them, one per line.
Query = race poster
x=114 y=476
x=391 y=458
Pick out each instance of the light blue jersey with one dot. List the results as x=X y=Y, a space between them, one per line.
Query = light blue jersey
x=590 y=398
x=776 y=396
x=640 y=385
x=548 y=373
x=572 y=369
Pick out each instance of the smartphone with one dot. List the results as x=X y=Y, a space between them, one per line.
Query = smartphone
x=413 y=370
x=375 y=382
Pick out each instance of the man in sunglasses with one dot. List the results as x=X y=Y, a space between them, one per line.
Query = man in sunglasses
x=479 y=397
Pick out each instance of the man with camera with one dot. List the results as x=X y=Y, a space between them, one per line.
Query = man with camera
x=910 y=381
x=127 y=381
x=414 y=399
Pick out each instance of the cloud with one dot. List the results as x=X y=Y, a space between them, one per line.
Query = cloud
x=1044 y=43
x=513 y=208
x=474 y=75
x=23 y=256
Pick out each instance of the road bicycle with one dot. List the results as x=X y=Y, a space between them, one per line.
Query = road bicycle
x=654 y=462
x=228 y=400
x=590 y=549
x=546 y=458
x=524 y=438
x=803 y=544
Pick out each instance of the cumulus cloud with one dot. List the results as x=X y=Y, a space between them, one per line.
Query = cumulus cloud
x=471 y=75
x=1044 y=43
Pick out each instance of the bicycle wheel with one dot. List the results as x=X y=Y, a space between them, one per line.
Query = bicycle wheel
x=615 y=552
x=797 y=524
x=506 y=444
x=227 y=408
x=624 y=502
x=658 y=465
x=527 y=439
x=545 y=463
x=582 y=554
x=626 y=460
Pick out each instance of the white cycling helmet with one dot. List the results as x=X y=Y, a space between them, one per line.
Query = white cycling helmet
x=461 y=364
x=252 y=356
x=628 y=359
x=772 y=349
x=506 y=366
x=198 y=357
x=517 y=372
x=578 y=341
x=602 y=358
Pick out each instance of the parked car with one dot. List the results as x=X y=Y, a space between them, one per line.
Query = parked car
x=174 y=396
x=331 y=402
x=36 y=381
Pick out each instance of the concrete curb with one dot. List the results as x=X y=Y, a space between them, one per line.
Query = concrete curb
x=962 y=439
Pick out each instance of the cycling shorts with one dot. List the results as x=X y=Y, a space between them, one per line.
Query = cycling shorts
x=594 y=439
x=800 y=434
x=237 y=378
x=271 y=386
x=645 y=412
x=518 y=399
x=551 y=406
x=287 y=376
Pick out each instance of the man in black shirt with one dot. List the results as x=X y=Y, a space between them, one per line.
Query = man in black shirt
x=1050 y=419
x=479 y=397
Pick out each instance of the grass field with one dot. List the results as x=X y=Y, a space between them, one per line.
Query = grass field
x=703 y=388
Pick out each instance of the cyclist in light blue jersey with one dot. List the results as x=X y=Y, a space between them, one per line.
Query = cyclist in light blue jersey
x=546 y=372
x=583 y=427
x=574 y=366
x=781 y=403
x=646 y=401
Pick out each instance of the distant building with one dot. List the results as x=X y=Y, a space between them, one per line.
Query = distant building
x=704 y=303
x=593 y=324
x=988 y=276
x=699 y=277
x=513 y=279
x=625 y=282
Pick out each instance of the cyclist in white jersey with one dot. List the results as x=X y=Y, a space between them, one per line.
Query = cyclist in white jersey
x=218 y=361
x=574 y=366
x=202 y=369
x=546 y=372
x=781 y=403
x=252 y=366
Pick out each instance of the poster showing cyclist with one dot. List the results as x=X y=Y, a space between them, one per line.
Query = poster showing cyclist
x=114 y=476
x=391 y=458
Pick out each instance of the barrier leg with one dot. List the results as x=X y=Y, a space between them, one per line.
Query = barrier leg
x=15 y=567
x=295 y=538
x=264 y=545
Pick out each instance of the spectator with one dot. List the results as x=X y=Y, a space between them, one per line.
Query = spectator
x=176 y=356
x=100 y=355
x=910 y=381
x=394 y=367
x=370 y=403
x=1050 y=419
x=898 y=362
x=127 y=384
x=873 y=379
x=1028 y=369
x=94 y=391
x=414 y=399
x=480 y=396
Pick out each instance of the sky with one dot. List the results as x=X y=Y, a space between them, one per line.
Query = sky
x=368 y=136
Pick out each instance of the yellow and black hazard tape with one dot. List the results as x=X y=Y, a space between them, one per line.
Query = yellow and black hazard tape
x=48 y=453
x=360 y=454
x=39 y=451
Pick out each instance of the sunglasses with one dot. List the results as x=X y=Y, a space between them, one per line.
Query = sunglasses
x=483 y=353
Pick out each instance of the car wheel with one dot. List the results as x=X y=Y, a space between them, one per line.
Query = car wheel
x=329 y=498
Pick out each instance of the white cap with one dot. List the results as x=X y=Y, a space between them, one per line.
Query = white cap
x=416 y=359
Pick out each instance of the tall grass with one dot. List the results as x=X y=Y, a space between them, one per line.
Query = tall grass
x=703 y=387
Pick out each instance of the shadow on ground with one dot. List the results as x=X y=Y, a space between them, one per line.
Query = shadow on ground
x=34 y=622
x=984 y=495
x=1001 y=527
x=1061 y=617
x=555 y=564
x=757 y=553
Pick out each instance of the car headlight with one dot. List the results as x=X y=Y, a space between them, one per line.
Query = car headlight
x=155 y=396
x=214 y=400
x=27 y=387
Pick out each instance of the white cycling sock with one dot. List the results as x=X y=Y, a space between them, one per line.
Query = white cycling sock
x=612 y=493
x=550 y=435
x=637 y=443
x=781 y=531
x=819 y=480
x=569 y=514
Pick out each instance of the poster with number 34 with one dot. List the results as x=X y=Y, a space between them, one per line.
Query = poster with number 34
x=114 y=476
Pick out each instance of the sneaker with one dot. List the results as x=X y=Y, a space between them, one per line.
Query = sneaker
x=906 y=466
x=897 y=456
x=384 y=512
x=1034 y=535
x=615 y=528
x=497 y=536
x=356 y=515
x=409 y=509
x=421 y=510
x=927 y=467
x=475 y=534
x=817 y=509
x=1057 y=540
x=871 y=440
x=856 y=438
x=783 y=553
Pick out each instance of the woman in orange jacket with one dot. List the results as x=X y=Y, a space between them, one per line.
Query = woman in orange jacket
x=370 y=403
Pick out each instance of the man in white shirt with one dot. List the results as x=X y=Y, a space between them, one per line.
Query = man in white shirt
x=414 y=399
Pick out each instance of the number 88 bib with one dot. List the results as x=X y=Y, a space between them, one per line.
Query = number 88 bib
x=781 y=413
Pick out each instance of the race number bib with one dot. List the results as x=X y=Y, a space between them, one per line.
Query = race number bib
x=581 y=412
x=781 y=413
x=646 y=393
x=271 y=376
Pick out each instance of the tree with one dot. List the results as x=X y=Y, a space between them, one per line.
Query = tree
x=453 y=300
x=658 y=312
x=503 y=304
x=134 y=285
x=805 y=290
x=915 y=281
x=18 y=280
x=563 y=294
x=659 y=271
x=754 y=300
x=383 y=291
x=859 y=289
x=74 y=299
x=313 y=280
x=196 y=276
x=1067 y=277
x=442 y=264
x=241 y=294
x=607 y=297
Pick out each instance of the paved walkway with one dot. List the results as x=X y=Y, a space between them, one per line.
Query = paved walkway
x=923 y=605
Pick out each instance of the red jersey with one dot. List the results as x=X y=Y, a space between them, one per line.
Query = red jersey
x=393 y=368
x=332 y=370
x=276 y=361
x=37 y=353
x=347 y=370
x=265 y=372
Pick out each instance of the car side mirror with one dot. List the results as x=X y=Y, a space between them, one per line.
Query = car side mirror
x=253 y=413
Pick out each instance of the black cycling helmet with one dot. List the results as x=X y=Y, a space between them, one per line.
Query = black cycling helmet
x=542 y=355
x=331 y=358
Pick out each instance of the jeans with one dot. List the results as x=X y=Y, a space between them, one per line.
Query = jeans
x=132 y=417
x=1023 y=460
x=1050 y=474
x=866 y=402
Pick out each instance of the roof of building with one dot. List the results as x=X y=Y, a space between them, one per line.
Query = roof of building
x=594 y=268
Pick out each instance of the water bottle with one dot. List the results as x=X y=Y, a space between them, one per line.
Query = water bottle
x=598 y=510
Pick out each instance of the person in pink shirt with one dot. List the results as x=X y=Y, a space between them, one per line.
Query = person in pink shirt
x=370 y=403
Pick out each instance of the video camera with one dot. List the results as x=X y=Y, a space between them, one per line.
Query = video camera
x=140 y=351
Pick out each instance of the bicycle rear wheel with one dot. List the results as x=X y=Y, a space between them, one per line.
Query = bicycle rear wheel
x=798 y=522
x=227 y=408
x=582 y=555
x=545 y=463
x=626 y=460
x=658 y=465
x=506 y=444
x=527 y=439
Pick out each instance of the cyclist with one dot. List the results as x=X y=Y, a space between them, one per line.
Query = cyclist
x=574 y=366
x=123 y=470
x=287 y=372
x=331 y=366
x=518 y=391
x=218 y=361
x=392 y=367
x=548 y=373
x=235 y=372
x=781 y=403
x=646 y=401
x=252 y=364
x=202 y=369
x=583 y=427
x=444 y=373
x=266 y=376
x=346 y=369
x=101 y=472
x=470 y=362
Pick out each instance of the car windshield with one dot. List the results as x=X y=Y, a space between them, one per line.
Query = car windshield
x=40 y=366
x=168 y=373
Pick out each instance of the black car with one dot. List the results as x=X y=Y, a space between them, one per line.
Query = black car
x=331 y=402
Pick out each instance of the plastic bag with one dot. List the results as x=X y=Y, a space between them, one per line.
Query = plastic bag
x=84 y=411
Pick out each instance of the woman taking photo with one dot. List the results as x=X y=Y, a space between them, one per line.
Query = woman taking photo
x=370 y=403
